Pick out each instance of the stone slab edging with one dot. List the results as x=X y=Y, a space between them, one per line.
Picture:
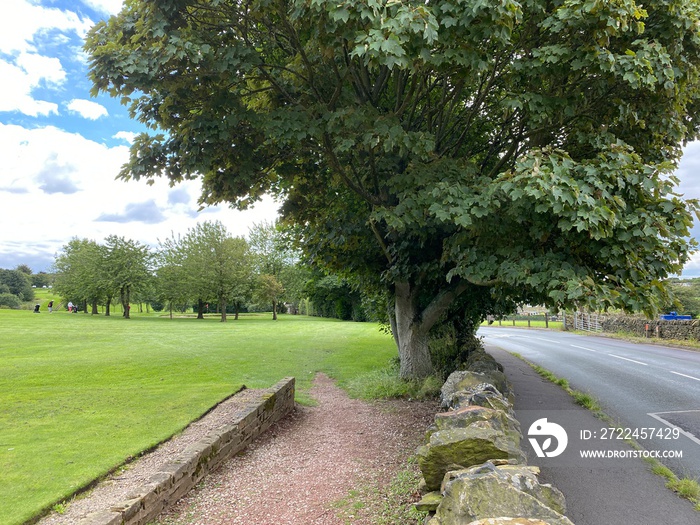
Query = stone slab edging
x=179 y=475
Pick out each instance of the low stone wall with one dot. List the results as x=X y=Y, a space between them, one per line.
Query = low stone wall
x=183 y=472
x=636 y=325
x=474 y=470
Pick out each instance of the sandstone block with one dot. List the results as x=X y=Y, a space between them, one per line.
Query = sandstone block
x=489 y=492
x=462 y=380
x=453 y=448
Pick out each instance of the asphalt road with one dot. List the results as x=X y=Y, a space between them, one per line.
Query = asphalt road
x=649 y=389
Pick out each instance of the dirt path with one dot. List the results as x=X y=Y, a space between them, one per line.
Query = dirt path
x=298 y=470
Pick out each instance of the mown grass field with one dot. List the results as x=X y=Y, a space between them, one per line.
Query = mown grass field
x=79 y=394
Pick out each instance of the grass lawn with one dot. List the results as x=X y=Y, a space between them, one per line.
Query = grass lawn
x=79 y=394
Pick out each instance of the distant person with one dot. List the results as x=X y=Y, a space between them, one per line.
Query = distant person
x=50 y=306
x=70 y=306
x=36 y=308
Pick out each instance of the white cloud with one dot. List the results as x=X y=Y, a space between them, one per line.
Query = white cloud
x=55 y=185
x=22 y=77
x=87 y=108
x=126 y=136
x=109 y=7
x=21 y=21
x=40 y=69
x=24 y=29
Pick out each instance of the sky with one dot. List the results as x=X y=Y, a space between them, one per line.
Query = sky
x=61 y=149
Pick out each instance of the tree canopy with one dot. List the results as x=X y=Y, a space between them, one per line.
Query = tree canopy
x=16 y=282
x=443 y=149
x=87 y=272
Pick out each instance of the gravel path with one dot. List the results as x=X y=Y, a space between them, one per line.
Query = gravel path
x=295 y=473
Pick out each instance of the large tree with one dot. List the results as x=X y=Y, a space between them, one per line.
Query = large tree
x=445 y=149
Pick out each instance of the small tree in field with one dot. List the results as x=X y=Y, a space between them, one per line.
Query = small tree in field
x=81 y=273
x=127 y=267
x=269 y=290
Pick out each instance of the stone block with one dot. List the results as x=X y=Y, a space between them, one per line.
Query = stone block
x=455 y=448
x=429 y=502
x=486 y=492
x=103 y=517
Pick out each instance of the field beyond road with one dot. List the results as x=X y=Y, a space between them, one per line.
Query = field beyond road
x=80 y=394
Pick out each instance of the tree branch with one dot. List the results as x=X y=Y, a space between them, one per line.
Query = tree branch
x=440 y=303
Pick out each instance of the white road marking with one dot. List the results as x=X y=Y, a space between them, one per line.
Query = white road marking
x=627 y=359
x=584 y=348
x=669 y=424
x=685 y=375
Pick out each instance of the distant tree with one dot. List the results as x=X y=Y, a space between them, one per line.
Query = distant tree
x=18 y=283
x=25 y=269
x=173 y=284
x=10 y=300
x=223 y=264
x=197 y=252
x=274 y=255
x=294 y=278
x=271 y=252
x=333 y=296
x=269 y=290
x=128 y=266
x=232 y=269
x=41 y=279
x=243 y=284
x=687 y=297
x=81 y=276
x=206 y=264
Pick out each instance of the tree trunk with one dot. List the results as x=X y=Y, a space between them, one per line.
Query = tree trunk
x=222 y=302
x=94 y=307
x=412 y=326
x=274 y=310
x=200 y=309
x=236 y=308
x=109 y=303
x=127 y=302
x=411 y=335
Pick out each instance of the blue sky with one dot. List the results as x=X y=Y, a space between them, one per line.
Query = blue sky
x=61 y=149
